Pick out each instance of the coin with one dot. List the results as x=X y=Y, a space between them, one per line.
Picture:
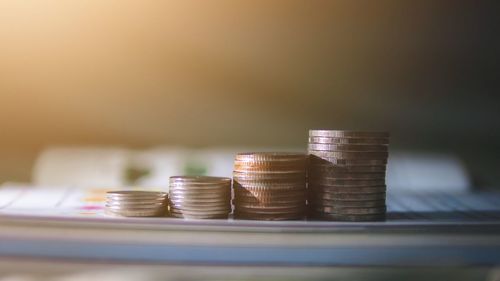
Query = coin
x=336 y=203
x=271 y=170
x=347 y=147
x=327 y=140
x=270 y=156
x=350 y=190
x=350 y=210
x=269 y=187
x=324 y=160
x=328 y=168
x=134 y=205
x=349 y=197
x=135 y=213
x=352 y=218
x=346 y=176
x=269 y=217
x=199 y=217
x=345 y=182
x=270 y=194
x=200 y=197
x=198 y=179
x=135 y=194
x=199 y=212
x=347 y=134
x=368 y=155
x=200 y=205
x=282 y=203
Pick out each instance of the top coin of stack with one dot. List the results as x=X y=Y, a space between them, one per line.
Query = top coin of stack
x=269 y=186
x=132 y=203
x=197 y=197
x=346 y=175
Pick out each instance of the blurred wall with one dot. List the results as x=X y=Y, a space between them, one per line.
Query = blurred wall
x=202 y=73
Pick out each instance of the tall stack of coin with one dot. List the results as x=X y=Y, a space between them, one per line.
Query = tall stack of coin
x=269 y=186
x=199 y=197
x=134 y=203
x=346 y=175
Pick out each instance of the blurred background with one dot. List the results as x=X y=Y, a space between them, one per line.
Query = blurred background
x=217 y=74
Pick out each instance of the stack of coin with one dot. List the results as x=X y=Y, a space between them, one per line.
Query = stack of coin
x=269 y=186
x=346 y=175
x=198 y=197
x=133 y=203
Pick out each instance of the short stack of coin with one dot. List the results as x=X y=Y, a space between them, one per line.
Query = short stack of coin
x=269 y=186
x=346 y=175
x=132 y=203
x=200 y=197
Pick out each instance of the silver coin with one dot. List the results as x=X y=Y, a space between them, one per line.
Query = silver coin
x=135 y=213
x=348 y=197
x=200 y=212
x=346 y=176
x=350 y=210
x=135 y=205
x=270 y=200
x=352 y=204
x=135 y=194
x=356 y=190
x=207 y=193
x=199 y=217
x=352 y=218
x=345 y=183
x=347 y=169
x=347 y=134
x=200 y=189
x=198 y=179
x=268 y=217
x=347 y=147
x=136 y=201
x=365 y=155
x=269 y=156
x=327 y=140
x=339 y=162
x=204 y=210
